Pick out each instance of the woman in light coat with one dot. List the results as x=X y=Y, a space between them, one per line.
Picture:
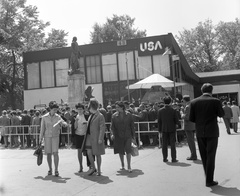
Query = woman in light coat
x=94 y=142
x=50 y=131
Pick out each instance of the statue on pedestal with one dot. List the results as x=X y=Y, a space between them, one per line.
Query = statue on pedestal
x=75 y=55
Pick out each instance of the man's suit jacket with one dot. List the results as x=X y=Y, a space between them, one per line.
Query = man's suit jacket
x=167 y=119
x=204 y=111
x=188 y=125
x=227 y=112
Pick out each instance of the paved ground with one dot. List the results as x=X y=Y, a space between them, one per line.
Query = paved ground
x=20 y=175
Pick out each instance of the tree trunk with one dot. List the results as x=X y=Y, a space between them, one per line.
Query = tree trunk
x=13 y=100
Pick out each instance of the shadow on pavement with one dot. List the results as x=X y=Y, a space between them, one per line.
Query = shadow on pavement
x=179 y=164
x=135 y=173
x=58 y=179
x=98 y=179
x=225 y=191
x=198 y=162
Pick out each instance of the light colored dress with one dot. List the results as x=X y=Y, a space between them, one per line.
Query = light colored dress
x=50 y=132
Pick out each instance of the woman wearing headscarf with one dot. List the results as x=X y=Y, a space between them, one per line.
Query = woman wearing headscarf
x=122 y=134
x=50 y=129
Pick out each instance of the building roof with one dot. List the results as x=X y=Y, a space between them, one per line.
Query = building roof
x=167 y=40
x=218 y=73
x=217 y=76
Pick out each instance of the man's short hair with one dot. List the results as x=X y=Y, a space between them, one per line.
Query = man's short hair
x=93 y=103
x=207 y=88
x=79 y=105
x=167 y=100
x=53 y=104
x=234 y=102
x=120 y=104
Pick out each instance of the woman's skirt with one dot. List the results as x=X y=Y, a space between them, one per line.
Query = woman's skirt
x=51 y=145
x=79 y=141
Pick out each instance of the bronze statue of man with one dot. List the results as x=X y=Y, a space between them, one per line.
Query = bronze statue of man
x=75 y=55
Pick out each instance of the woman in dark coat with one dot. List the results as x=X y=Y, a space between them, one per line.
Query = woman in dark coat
x=122 y=133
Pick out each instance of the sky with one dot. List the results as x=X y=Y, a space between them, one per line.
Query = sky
x=157 y=17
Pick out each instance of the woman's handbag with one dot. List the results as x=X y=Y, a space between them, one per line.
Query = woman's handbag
x=134 y=150
x=39 y=154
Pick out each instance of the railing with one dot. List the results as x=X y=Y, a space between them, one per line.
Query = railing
x=34 y=131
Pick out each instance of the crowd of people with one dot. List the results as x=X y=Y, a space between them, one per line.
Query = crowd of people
x=93 y=128
x=143 y=113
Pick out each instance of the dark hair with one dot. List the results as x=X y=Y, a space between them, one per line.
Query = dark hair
x=37 y=113
x=167 y=100
x=234 y=102
x=225 y=102
x=53 y=104
x=120 y=104
x=186 y=97
x=79 y=105
x=74 y=38
x=131 y=105
x=93 y=103
x=14 y=112
x=207 y=88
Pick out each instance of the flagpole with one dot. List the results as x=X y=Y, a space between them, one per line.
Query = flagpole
x=171 y=62
x=139 y=79
x=127 y=76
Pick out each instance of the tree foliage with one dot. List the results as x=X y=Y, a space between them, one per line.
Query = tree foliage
x=211 y=48
x=20 y=31
x=116 y=28
x=229 y=44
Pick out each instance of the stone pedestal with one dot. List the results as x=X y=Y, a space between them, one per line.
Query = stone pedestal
x=76 y=89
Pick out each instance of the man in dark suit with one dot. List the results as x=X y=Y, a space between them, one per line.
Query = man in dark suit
x=167 y=121
x=227 y=116
x=204 y=111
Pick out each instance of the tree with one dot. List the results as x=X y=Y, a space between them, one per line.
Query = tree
x=212 y=48
x=21 y=31
x=116 y=28
x=229 y=44
x=200 y=47
x=56 y=39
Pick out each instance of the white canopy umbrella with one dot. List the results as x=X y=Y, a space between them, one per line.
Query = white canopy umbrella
x=154 y=80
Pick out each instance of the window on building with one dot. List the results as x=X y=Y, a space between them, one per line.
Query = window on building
x=33 y=75
x=93 y=69
x=126 y=65
x=109 y=67
x=161 y=65
x=62 y=67
x=144 y=67
x=47 y=73
x=81 y=63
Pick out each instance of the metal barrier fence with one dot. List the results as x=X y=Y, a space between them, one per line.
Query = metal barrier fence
x=33 y=131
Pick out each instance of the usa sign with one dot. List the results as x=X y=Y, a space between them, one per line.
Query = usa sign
x=150 y=47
